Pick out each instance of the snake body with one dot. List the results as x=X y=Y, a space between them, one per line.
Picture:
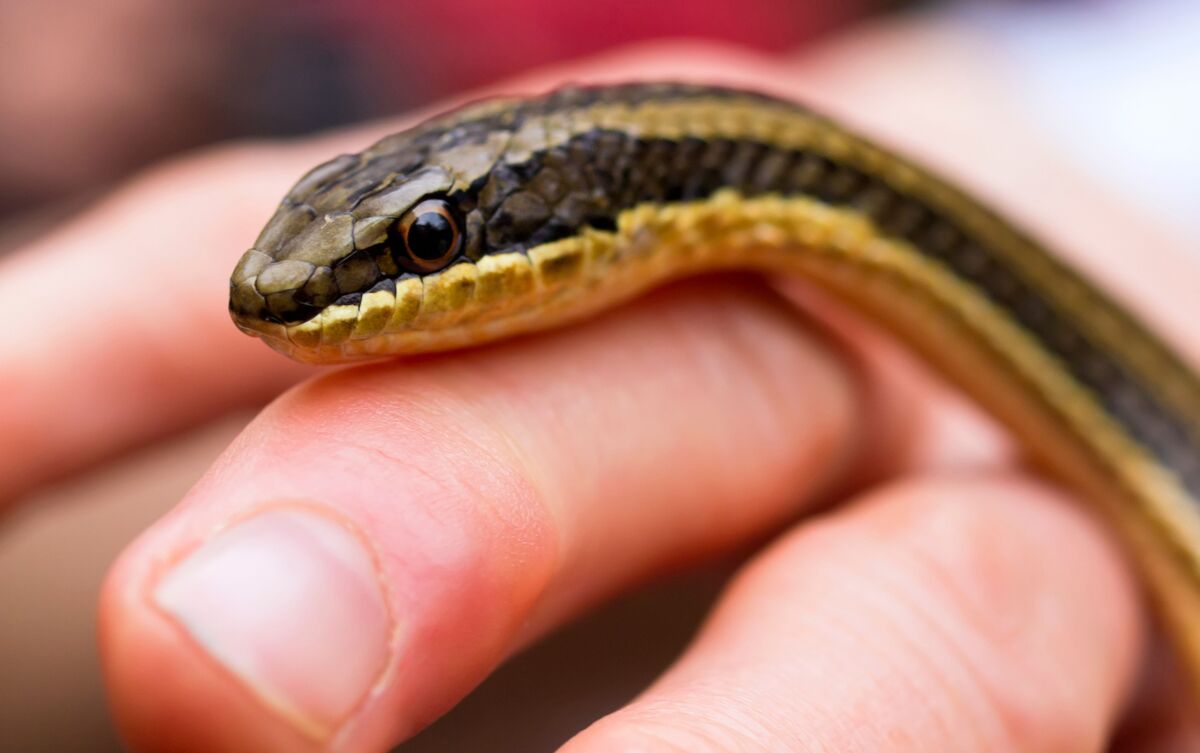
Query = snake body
x=513 y=215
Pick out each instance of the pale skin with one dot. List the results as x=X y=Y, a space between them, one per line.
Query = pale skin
x=951 y=600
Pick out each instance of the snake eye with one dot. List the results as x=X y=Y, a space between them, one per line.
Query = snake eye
x=430 y=236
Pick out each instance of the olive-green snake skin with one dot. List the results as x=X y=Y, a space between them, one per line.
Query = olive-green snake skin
x=520 y=214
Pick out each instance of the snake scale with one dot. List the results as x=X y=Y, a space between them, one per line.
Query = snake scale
x=512 y=215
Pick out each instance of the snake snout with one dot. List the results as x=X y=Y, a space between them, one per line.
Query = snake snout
x=286 y=291
x=288 y=276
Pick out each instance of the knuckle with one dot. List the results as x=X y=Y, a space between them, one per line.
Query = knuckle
x=983 y=563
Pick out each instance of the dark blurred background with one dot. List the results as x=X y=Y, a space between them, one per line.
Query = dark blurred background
x=92 y=90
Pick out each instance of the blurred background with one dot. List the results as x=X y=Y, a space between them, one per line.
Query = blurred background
x=93 y=90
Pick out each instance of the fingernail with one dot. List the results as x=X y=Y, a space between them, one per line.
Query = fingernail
x=290 y=602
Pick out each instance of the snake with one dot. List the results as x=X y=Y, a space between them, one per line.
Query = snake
x=517 y=214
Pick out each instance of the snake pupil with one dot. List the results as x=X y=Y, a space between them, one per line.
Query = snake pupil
x=431 y=236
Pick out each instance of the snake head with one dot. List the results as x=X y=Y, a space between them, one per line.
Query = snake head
x=339 y=234
x=376 y=253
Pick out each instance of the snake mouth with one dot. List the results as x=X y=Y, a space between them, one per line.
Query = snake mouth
x=466 y=303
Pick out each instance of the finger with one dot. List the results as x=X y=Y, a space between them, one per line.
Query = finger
x=391 y=532
x=970 y=614
x=1162 y=717
x=117 y=329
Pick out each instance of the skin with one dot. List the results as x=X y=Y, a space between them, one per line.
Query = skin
x=506 y=489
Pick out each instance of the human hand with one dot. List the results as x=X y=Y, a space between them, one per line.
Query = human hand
x=500 y=491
